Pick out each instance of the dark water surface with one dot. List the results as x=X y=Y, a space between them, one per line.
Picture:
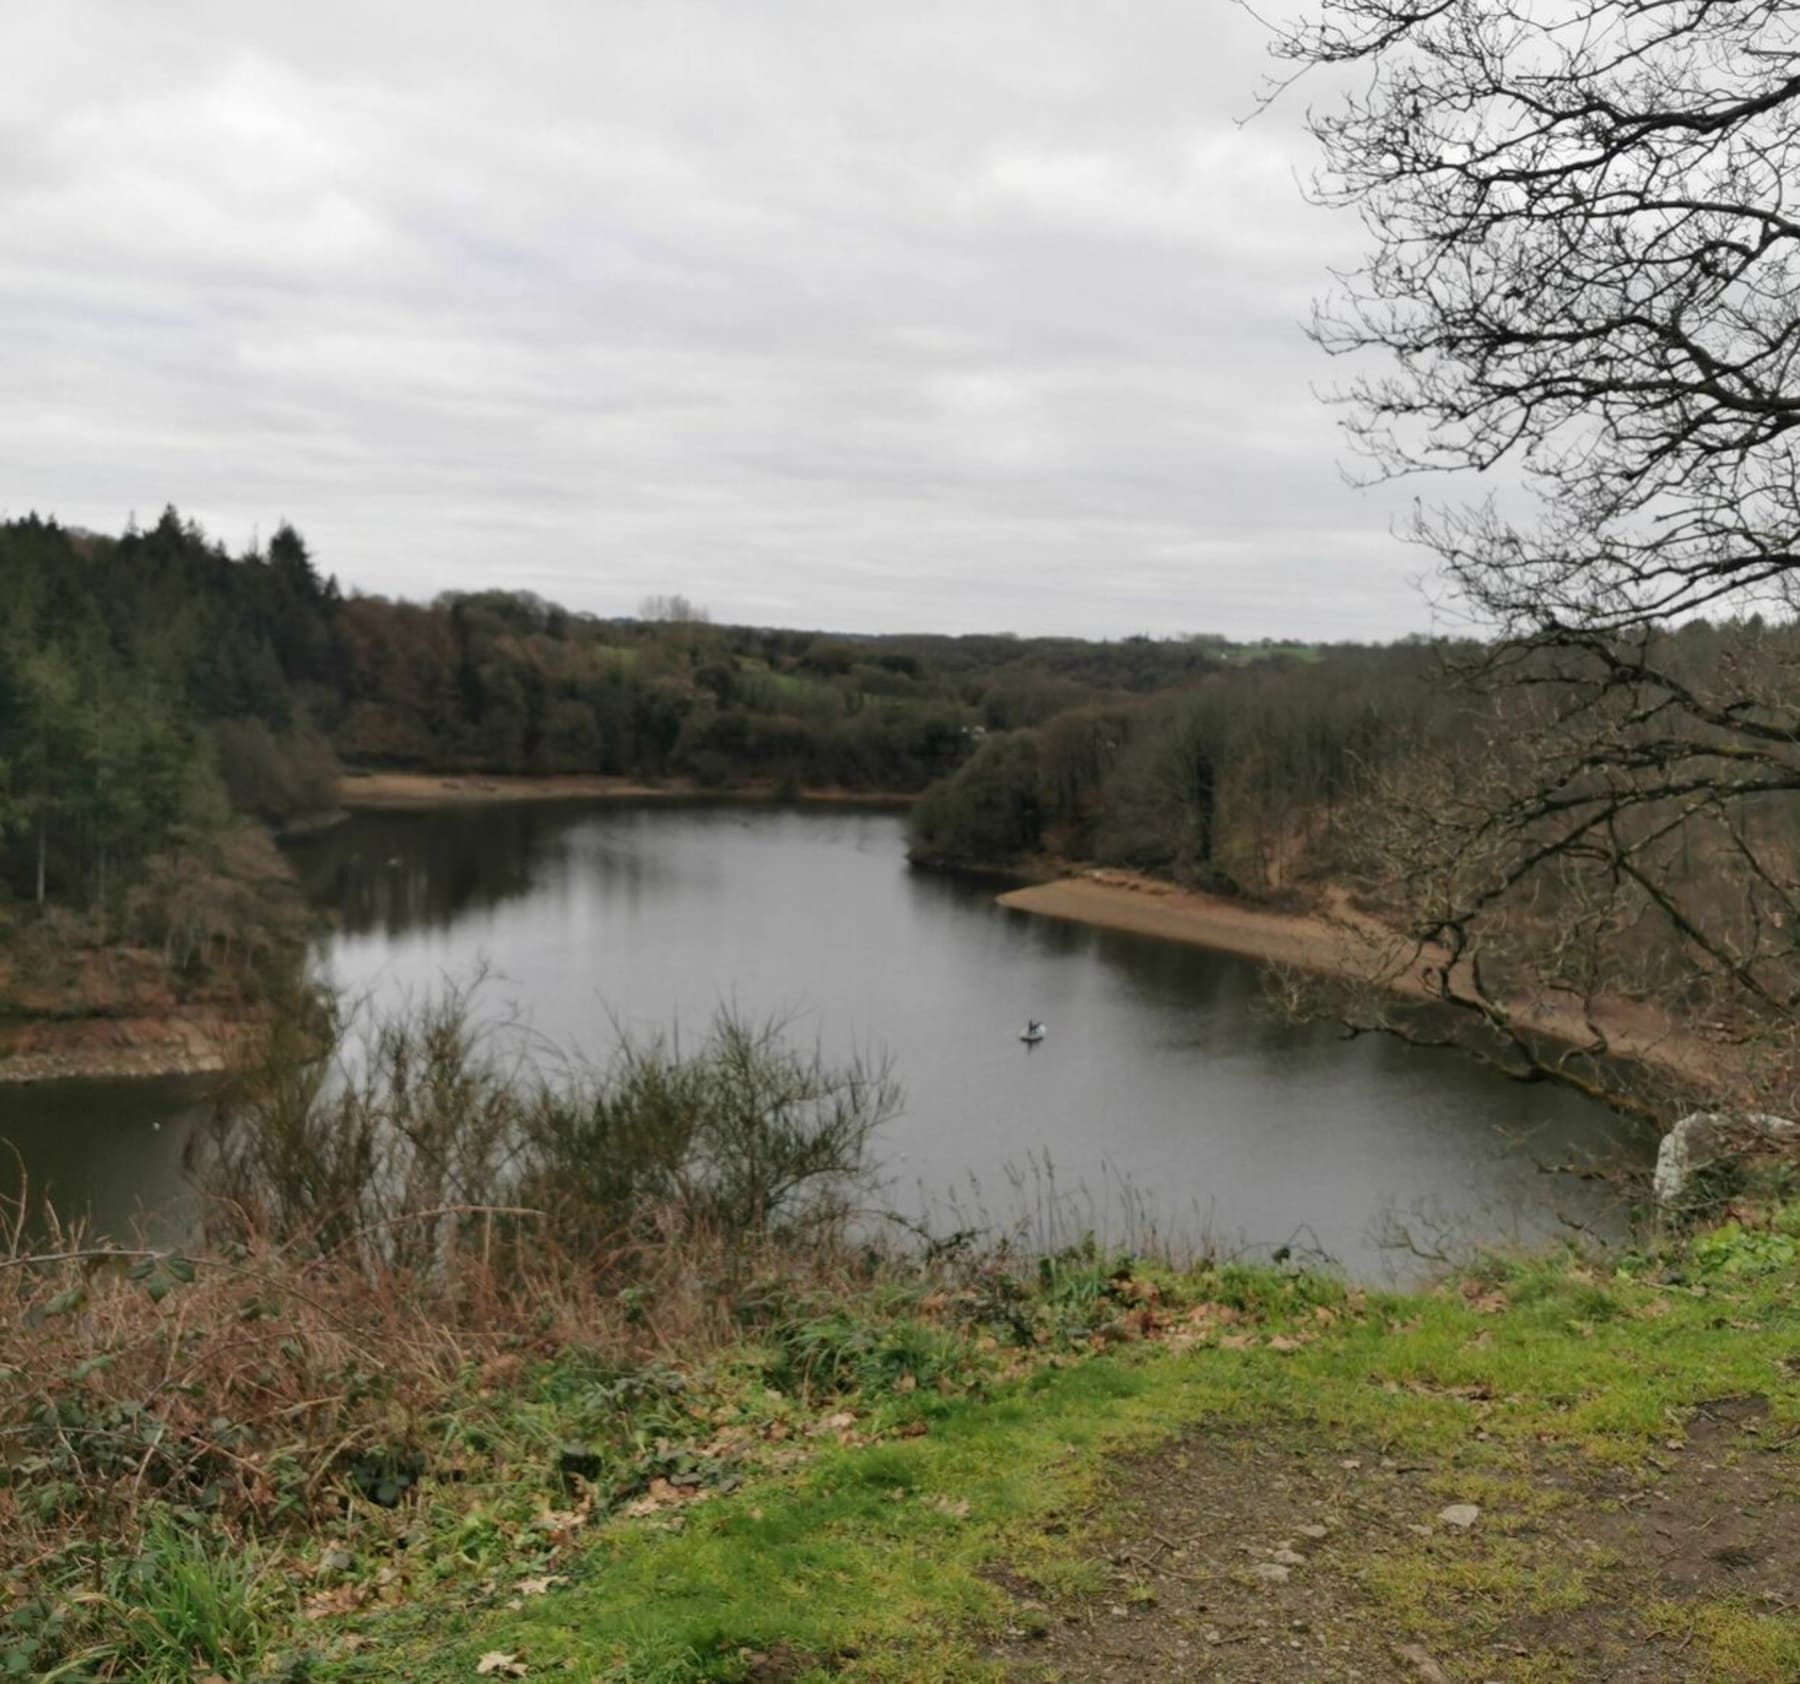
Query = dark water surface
x=107 y=1154
x=1163 y=1071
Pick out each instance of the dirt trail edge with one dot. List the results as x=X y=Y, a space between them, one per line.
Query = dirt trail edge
x=1241 y=1556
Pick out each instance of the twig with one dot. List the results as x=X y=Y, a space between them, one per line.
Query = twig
x=97 y=1254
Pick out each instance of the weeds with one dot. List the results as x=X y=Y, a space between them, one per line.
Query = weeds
x=411 y=1136
x=449 y=1314
x=208 y=1462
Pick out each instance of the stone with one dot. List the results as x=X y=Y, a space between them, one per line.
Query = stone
x=1288 y=1558
x=1704 y=1137
x=1424 y=1666
x=1271 y=1572
x=1314 y=1531
x=1463 y=1515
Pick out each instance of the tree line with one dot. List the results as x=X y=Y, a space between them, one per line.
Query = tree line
x=153 y=685
x=1237 y=782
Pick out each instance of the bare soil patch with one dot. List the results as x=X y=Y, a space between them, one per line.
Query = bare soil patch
x=1281 y=1555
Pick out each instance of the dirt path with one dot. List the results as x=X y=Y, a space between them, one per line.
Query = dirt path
x=1286 y=1555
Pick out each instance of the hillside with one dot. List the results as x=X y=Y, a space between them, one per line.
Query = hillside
x=1561 y=1469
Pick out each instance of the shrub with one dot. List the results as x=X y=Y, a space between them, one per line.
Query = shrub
x=406 y=1135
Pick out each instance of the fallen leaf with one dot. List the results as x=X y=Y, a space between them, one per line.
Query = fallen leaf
x=561 y=1524
x=497 y=1661
x=341 y=1599
x=540 y=1586
x=957 y=1508
x=1213 y=1312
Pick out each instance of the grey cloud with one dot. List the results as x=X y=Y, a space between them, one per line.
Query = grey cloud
x=869 y=316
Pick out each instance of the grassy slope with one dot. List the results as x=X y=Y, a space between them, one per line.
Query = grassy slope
x=877 y=1560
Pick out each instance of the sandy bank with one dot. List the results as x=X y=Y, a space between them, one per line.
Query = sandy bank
x=1337 y=941
x=1118 y=900
x=104 y=1049
x=430 y=789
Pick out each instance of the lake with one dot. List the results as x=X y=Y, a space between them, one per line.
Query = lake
x=1167 y=1090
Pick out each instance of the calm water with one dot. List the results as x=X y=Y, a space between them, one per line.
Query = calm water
x=1163 y=1072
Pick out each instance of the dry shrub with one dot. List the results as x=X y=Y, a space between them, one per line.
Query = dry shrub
x=257 y=1393
x=409 y=1135
x=412 y=1241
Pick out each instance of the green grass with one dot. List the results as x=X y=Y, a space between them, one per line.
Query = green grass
x=876 y=1550
x=871 y=1560
x=985 y=1431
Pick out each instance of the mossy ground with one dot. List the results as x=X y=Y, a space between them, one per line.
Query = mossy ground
x=1625 y=1429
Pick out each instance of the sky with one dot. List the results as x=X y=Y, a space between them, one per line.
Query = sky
x=954 y=317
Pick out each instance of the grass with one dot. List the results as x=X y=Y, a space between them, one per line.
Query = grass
x=876 y=1560
x=841 y=1491
x=873 y=1555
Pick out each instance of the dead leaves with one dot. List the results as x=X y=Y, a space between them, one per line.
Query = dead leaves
x=540 y=1584
x=1483 y=1299
x=662 y=1494
x=496 y=1663
x=340 y=1599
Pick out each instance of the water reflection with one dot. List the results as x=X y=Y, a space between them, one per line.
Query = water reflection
x=1167 y=1087
x=1164 y=1067
x=106 y=1155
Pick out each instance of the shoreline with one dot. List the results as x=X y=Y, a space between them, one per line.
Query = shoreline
x=1120 y=900
x=1338 y=942
x=106 y=1049
x=402 y=791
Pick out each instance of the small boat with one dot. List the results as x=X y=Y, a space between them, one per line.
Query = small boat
x=1033 y=1033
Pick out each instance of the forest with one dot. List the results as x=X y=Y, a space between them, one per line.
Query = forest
x=165 y=706
x=155 y=689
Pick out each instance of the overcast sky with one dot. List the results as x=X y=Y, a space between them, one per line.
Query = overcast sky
x=972 y=316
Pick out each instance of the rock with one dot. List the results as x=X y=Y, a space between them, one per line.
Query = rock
x=1463 y=1515
x=1288 y=1558
x=1419 y=1659
x=1314 y=1531
x=1272 y=1572
x=1704 y=1137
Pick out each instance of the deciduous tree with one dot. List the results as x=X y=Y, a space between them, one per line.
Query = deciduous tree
x=1582 y=281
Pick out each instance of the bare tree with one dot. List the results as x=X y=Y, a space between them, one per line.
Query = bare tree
x=673 y=610
x=1582 y=279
